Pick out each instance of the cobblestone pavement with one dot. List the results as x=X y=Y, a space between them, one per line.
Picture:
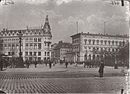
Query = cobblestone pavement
x=62 y=80
x=112 y=85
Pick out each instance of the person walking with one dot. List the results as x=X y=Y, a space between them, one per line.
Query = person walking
x=1 y=64
x=27 y=63
x=50 y=64
x=101 y=69
x=66 y=64
x=35 y=63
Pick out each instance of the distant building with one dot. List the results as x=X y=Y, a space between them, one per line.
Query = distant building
x=53 y=56
x=61 y=50
x=88 y=46
x=35 y=43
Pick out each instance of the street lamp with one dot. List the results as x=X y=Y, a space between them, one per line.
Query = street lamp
x=20 y=64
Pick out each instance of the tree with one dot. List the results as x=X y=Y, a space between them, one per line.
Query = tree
x=123 y=54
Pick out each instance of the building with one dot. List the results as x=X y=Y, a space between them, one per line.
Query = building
x=35 y=42
x=88 y=46
x=53 y=56
x=61 y=51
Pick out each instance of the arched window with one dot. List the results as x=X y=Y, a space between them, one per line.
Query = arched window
x=93 y=42
x=97 y=41
x=89 y=41
x=101 y=42
x=109 y=42
x=112 y=42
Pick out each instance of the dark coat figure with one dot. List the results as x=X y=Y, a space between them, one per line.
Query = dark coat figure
x=85 y=64
x=101 y=69
x=27 y=63
x=1 y=64
x=66 y=64
x=35 y=63
x=50 y=64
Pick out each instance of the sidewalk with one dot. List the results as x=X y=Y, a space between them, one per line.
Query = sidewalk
x=62 y=68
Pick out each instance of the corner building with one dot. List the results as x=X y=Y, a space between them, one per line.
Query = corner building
x=87 y=46
x=35 y=42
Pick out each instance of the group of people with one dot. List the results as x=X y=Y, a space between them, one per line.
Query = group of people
x=91 y=64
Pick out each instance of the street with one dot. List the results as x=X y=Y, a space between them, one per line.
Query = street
x=62 y=80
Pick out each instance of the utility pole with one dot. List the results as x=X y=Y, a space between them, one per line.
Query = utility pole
x=77 y=27
x=104 y=27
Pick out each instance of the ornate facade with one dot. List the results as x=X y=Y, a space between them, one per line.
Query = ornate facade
x=35 y=42
x=88 y=46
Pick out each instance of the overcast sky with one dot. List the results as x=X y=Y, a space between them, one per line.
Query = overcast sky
x=63 y=15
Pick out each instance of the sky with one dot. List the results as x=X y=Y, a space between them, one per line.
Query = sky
x=63 y=15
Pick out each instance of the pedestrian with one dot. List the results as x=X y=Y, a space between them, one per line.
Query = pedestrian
x=27 y=63
x=1 y=64
x=50 y=62
x=84 y=64
x=35 y=63
x=66 y=64
x=101 y=69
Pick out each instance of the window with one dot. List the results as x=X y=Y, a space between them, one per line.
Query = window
x=30 y=53
x=112 y=42
x=97 y=41
x=35 y=39
x=26 y=53
x=35 y=53
x=39 y=53
x=101 y=49
x=101 y=41
x=93 y=42
x=26 y=39
x=27 y=44
x=48 y=53
x=105 y=42
x=45 y=53
x=89 y=41
x=39 y=39
x=120 y=43
x=123 y=43
x=85 y=41
x=31 y=44
x=5 y=45
x=97 y=48
x=109 y=42
x=109 y=49
x=9 y=45
x=35 y=45
x=39 y=58
x=9 y=53
x=116 y=42
x=39 y=46
x=113 y=50
x=48 y=44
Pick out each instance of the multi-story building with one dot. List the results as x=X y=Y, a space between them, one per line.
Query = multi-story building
x=88 y=46
x=35 y=42
x=61 y=50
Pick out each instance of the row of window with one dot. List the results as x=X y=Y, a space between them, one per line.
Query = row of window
x=9 y=39
x=34 y=45
x=36 y=58
x=31 y=53
x=36 y=53
x=105 y=42
x=33 y=39
x=101 y=49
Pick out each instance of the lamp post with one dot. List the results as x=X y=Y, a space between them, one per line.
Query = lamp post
x=20 y=64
